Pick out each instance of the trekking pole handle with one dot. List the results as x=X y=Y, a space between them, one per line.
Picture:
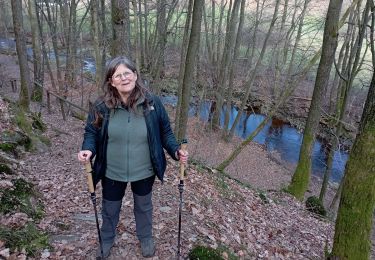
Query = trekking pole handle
x=89 y=177
x=182 y=166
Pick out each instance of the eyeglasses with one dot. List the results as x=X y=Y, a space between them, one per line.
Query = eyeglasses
x=125 y=75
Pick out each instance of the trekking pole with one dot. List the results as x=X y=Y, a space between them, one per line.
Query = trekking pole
x=93 y=199
x=180 y=189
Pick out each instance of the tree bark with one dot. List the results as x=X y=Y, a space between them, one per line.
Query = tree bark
x=182 y=64
x=353 y=68
x=191 y=56
x=137 y=40
x=96 y=43
x=288 y=91
x=250 y=79
x=22 y=55
x=161 y=40
x=37 y=92
x=120 y=28
x=226 y=60
x=232 y=66
x=355 y=214
x=300 y=180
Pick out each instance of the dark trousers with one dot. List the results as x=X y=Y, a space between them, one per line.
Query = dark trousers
x=113 y=192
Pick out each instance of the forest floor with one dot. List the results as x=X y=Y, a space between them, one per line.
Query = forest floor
x=250 y=217
x=252 y=223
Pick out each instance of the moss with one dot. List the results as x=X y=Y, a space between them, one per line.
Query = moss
x=263 y=197
x=22 y=122
x=355 y=215
x=45 y=140
x=204 y=253
x=207 y=253
x=21 y=198
x=37 y=94
x=14 y=137
x=314 y=205
x=7 y=147
x=5 y=169
x=28 y=238
x=301 y=176
x=37 y=122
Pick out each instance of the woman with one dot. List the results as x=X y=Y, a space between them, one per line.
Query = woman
x=126 y=132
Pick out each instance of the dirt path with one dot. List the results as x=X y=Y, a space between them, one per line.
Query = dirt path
x=251 y=222
x=217 y=211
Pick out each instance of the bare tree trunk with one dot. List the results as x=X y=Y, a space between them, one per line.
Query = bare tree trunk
x=182 y=64
x=352 y=238
x=352 y=70
x=191 y=56
x=96 y=32
x=161 y=36
x=120 y=28
x=147 y=54
x=44 y=48
x=52 y=24
x=141 y=37
x=301 y=175
x=288 y=91
x=22 y=55
x=250 y=81
x=232 y=66
x=344 y=50
x=4 y=19
x=71 y=50
x=258 y=17
x=104 y=42
x=279 y=103
x=220 y=32
x=37 y=93
x=137 y=37
x=226 y=60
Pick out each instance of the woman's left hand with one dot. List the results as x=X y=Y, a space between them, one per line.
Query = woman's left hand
x=182 y=155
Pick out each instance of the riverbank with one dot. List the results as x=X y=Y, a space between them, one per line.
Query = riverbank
x=271 y=173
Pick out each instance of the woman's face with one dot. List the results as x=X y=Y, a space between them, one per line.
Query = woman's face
x=124 y=80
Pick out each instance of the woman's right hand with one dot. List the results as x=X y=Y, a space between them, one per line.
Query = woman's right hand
x=84 y=156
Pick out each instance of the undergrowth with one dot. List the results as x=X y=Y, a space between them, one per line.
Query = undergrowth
x=28 y=238
x=207 y=253
x=21 y=198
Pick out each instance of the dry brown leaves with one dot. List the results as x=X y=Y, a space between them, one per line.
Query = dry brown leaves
x=216 y=212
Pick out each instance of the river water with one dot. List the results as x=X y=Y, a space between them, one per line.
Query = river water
x=276 y=135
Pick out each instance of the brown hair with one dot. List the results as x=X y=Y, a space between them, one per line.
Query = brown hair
x=111 y=96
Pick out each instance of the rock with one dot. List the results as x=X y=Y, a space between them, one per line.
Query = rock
x=6 y=184
x=165 y=209
x=45 y=254
x=5 y=253
x=21 y=257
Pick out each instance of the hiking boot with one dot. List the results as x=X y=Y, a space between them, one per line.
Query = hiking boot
x=148 y=247
x=106 y=251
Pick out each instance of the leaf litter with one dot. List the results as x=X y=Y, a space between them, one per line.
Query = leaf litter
x=217 y=211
